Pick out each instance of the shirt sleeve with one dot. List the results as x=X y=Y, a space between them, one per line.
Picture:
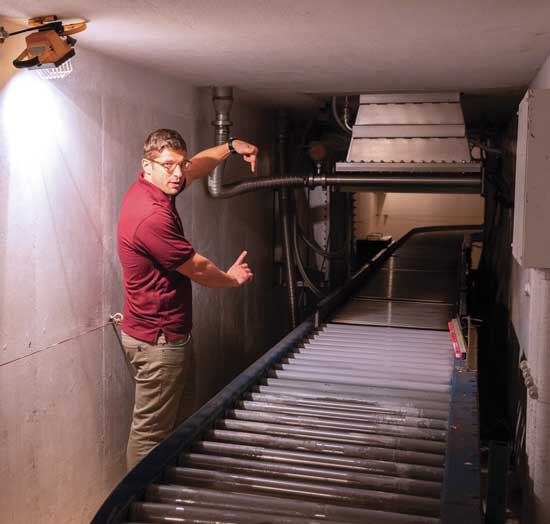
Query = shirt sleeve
x=160 y=237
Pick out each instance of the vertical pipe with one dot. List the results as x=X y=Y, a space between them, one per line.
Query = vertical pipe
x=222 y=98
x=284 y=206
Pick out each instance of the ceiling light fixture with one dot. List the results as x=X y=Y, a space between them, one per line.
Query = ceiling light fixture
x=49 y=46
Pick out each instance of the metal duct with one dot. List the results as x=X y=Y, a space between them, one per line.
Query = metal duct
x=410 y=133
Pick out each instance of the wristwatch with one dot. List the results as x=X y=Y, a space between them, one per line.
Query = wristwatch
x=232 y=150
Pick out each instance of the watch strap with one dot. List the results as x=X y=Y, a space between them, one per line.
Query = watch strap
x=232 y=150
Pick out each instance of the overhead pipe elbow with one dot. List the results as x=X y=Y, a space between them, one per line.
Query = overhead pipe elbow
x=222 y=98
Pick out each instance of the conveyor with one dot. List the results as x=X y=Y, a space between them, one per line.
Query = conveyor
x=360 y=415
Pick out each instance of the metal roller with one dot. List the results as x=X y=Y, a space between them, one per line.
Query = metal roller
x=352 y=371
x=349 y=415
x=372 y=361
x=390 y=344
x=371 y=499
x=154 y=512
x=312 y=399
x=408 y=397
x=357 y=348
x=309 y=443
x=351 y=381
x=317 y=430
x=338 y=424
x=295 y=455
x=171 y=494
x=353 y=479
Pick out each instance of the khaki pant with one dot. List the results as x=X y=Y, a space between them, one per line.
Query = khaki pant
x=164 y=396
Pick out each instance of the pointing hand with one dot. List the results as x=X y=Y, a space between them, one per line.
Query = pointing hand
x=240 y=271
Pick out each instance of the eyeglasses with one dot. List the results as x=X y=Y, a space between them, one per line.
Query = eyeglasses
x=170 y=167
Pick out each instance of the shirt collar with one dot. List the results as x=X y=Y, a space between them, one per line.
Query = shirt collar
x=154 y=192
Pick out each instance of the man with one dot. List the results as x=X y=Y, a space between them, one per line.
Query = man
x=158 y=264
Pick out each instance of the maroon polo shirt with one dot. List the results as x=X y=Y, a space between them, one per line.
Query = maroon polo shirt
x=151 y=245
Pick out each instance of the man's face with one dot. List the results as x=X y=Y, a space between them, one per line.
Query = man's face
x=166 y=170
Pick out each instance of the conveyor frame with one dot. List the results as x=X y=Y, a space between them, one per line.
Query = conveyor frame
x=460 y=498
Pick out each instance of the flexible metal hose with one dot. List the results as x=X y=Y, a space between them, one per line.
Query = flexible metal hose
x=223 y=100
x=317 y=248
x=344 y=126
x=314 y=289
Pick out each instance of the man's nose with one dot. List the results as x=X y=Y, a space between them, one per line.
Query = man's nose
x=178 y=171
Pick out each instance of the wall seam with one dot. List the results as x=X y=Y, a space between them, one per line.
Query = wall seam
x=102 y=211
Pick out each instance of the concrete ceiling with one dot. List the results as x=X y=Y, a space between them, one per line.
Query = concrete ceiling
x=288 y=50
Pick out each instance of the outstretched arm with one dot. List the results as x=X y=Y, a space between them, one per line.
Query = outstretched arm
x=203 y=163
x=205 y=272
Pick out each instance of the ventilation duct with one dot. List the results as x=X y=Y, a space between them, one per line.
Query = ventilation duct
x=420 y=133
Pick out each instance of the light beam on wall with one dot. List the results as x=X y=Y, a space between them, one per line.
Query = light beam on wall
x=31 y=120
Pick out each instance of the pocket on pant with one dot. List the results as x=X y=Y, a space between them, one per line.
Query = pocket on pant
x=131 y=342
x=171 y=355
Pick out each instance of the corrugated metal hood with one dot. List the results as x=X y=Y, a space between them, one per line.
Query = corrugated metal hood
x=411 y=132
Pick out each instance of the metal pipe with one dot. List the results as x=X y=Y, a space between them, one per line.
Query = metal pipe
x=344 y=126
x=275 y=505
x=402 y=183
x=404 y=180
x=293 y=454
x=346 y=113
x=222 y=98
x=293 y=471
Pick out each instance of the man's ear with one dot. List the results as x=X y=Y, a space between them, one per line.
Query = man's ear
x=146 y=164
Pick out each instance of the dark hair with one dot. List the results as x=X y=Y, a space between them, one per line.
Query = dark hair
x=160 y=139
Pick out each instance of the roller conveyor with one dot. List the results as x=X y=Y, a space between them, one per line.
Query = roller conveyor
x=348 y=420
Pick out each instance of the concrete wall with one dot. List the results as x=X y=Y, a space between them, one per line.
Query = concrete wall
x=68 y=151
x=397 y=213
x=530 y=316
